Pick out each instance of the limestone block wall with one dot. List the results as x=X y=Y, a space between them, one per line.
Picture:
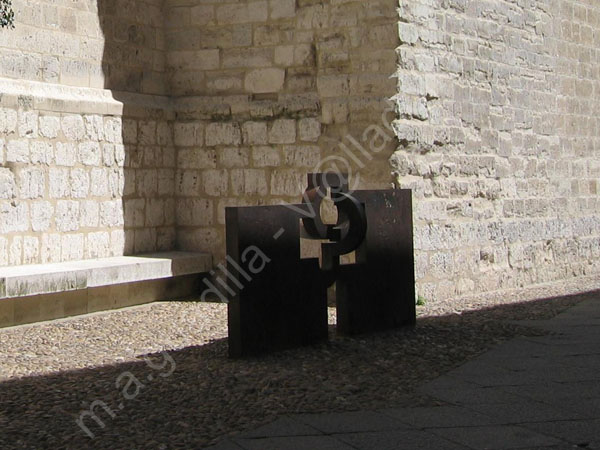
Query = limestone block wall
x=87 y=162
x=267 y=91
x=79 y=181
x=128 y=126
x=498 y=126
x=117 y=44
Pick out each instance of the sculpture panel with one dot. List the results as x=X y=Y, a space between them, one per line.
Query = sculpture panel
x=279 y=300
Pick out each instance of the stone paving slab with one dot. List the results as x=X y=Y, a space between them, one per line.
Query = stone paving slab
x=496 y=437
x=439 y=416
x=393 y=440
x=351 y=422
x=524 y=412
x=529 y=394
x=582 y=433
x=294 y=443
x=283 y=426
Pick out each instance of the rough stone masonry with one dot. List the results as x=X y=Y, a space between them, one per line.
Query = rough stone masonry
x=128 y=126
x=498 y=129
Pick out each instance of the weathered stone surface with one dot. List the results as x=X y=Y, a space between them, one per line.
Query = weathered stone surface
x=67 y=276
x=261 y=81
x=223 y=134
x=491 y=186
x=7 y=183
x=254 y=133
x=495 y=131
x=283 y=131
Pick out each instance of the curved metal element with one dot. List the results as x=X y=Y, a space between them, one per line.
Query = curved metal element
x=316 y=191
x=348 y=234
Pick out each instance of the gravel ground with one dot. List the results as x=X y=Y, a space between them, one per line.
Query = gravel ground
x=193 y=394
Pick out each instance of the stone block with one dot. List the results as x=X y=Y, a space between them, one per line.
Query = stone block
x=15 y=251
x=147 y=132
x=113 y=130
x=31 y=249
x=261 y=81
x=8 y=186
x=254 y=133
x=89 y=153
x=28 y=124
x=94 y=127
x=49 y=126
x=17 y=151
x=306 y=156
x=408 y=33
x=31 y=183
x=248 y=58
x=67 y=216
x=309 y=129
x=284 y=55
x=216 y=182
x=155 y=212
x=223 y=133
x=194 y=212
x=234 y=157
x=66 y=154
x=59 y=185
x=79 y=181
x=283 y=131
x=188 y=134
x=89 y=214
x=72 y=247
x=235 y=13
x=282 y=9
x=202 y=14
x=287 y=182
x=333 y=85
x=129 y=131
x=111 y=213
x=164 y=134
x=8 y=121
x=99 y=182
x=73 y=127
x=188 y=183
x=97 y=245
x=249 y=182
x=41 y=152
x=166 y=182
x=266 y=156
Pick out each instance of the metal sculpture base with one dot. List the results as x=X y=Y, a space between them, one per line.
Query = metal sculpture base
x=279 y=300
x=277 y=303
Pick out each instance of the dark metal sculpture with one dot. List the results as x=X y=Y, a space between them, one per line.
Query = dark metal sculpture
x=279 y=300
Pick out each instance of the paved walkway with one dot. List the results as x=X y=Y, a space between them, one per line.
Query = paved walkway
x=529 y=393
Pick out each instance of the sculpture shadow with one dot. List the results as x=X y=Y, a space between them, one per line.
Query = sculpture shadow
x=208 y=395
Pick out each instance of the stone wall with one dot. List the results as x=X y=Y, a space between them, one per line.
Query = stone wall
x=77 y=180
x=117 y=44
x=267 y=91
x=252 y=95
x=498 y=125
x=87 y=163
x=129 y=126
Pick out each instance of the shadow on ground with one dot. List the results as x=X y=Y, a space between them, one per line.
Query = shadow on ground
x=208 y=396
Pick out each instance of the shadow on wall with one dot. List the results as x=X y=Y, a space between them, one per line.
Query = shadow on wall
x=133 y=69
x=200 y=394
x=249 y=142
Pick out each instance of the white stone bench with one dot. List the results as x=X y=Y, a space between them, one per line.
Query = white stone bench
x=54 y=283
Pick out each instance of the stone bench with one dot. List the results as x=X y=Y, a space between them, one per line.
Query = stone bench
x=33 y=293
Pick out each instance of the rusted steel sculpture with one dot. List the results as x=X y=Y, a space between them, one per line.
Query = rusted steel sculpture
x=279 y=300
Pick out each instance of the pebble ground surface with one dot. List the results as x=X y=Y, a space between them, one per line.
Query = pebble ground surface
x=158 y=375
